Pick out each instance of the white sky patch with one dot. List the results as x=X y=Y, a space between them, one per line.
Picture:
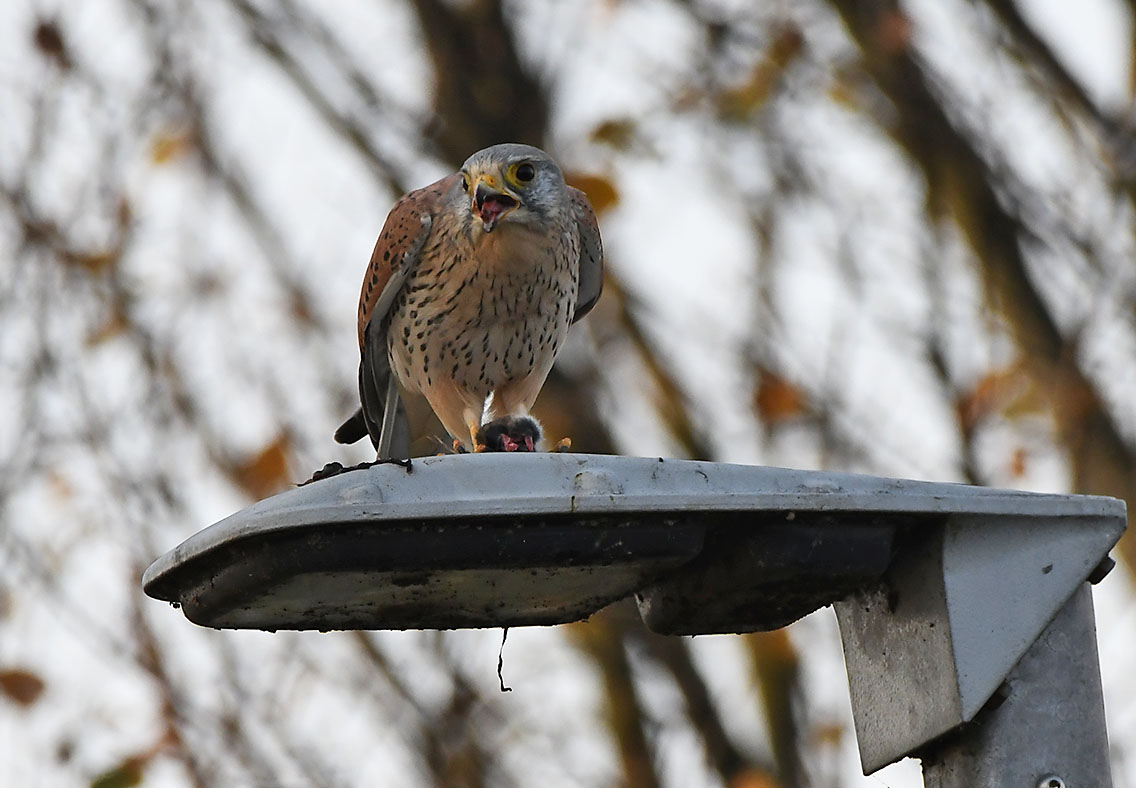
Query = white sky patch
x=618 y=72
x=1093 y=38
x=1116 y=621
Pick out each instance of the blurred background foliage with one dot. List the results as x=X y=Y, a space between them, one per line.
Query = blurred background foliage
x=877 y=236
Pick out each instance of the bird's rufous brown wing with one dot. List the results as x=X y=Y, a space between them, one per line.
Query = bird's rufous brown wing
x=394 y=258
x=397 y=248
x=591 y=254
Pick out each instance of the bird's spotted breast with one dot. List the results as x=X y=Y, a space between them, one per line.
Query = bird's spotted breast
x=493 y=313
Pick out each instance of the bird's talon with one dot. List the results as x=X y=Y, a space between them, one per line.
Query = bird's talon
x=564 y=444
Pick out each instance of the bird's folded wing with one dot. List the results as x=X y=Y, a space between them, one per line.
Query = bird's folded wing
x=591 y=254
x=398 y=248
x=396 y=255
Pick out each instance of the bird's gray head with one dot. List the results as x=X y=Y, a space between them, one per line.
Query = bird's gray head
x=513 y=183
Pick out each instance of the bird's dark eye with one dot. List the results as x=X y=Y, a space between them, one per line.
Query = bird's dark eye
x=525 y=172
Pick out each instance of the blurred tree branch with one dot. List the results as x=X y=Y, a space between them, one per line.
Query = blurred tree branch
x=960 y=184
x=602 y=640
x=483 y=94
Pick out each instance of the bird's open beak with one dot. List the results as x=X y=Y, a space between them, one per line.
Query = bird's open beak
x=491 y=202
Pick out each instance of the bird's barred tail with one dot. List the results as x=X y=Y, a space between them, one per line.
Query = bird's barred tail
x=353 y=429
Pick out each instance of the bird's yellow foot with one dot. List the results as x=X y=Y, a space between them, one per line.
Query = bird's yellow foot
x=564 y=444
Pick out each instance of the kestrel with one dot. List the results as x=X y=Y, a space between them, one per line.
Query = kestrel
x=471 y=289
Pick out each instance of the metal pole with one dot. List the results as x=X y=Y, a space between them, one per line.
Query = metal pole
x=1045 y=728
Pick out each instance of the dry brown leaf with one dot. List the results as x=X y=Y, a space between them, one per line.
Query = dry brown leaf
x=48 y=38
x=170 y=145
x=618 y=134
x=1018 y=462
x=831 y=734
x=115 y=324
x=777 y=400
x=21 y=686
x=742 y=100
x=994 y=393
x=601 y=191
x=267 y=472
x=845 y=87
x=96 y=262
x=126 y=775
x=124 y=214
x=754 y=778
x=775 y=645
x=893 y=32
